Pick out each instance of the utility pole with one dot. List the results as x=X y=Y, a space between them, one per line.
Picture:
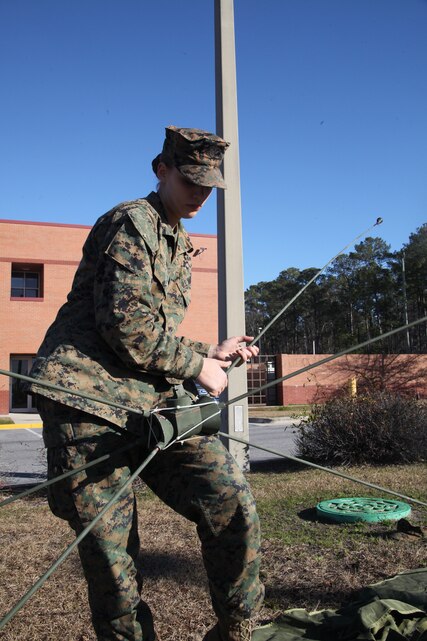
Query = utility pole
x=231 y=307
x=405 y=303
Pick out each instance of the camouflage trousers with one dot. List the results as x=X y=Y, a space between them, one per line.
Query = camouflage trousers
x=197 y=478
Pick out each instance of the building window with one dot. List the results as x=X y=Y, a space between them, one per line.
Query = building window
x=20 y=400
x=27 y=281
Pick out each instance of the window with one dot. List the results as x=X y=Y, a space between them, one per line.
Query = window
x=20 y=400
x=26 y=281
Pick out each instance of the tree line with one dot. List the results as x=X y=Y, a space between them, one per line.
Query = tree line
x=363 y=294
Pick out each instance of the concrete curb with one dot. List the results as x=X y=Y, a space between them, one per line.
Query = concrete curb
x=265 y=419
x=275 y=419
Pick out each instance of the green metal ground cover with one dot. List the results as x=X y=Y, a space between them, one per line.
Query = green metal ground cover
x=354 y=509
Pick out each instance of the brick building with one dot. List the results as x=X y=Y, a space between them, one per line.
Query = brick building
x=37 y=265
x=397 y=373
x=404 y=374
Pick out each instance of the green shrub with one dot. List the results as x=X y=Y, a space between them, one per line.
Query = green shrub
x=378 y=429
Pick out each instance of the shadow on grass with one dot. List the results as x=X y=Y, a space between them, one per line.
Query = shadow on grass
x=24 y=475
x=285 y=597
x=386 y=530
x=274 y=466
x=179 y=567
x=309 y=514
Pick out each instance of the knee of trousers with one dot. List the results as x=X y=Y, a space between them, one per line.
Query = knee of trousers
x=229 y=531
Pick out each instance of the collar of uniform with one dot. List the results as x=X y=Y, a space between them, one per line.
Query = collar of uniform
x=154 y=199
x=183 y=242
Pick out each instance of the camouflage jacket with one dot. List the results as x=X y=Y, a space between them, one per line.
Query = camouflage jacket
x=115 y=337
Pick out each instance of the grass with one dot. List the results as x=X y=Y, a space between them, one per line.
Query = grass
x=306 y=563
x=5 y=420
x=276 y=411
x=287 y=507
x=325 y=562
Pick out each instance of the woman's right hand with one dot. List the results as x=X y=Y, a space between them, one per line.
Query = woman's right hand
x=212 y=377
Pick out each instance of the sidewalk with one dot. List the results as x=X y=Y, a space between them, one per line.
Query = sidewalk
x=19 y=417
x=21 y=421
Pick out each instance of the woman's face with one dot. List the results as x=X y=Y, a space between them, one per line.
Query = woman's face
x=180 y=197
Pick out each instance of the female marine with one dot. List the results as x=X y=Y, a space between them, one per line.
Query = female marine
x=116 y=337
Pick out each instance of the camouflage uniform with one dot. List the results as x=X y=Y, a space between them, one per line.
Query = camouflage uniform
x=116 y=338
x=117 y=331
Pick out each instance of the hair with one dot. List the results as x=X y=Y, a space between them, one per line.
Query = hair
x=164 y=158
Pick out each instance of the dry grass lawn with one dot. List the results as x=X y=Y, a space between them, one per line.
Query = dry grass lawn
x=306 y=563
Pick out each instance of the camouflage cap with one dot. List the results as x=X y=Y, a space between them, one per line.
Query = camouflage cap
x=196 y=154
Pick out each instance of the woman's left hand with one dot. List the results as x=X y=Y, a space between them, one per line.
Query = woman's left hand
x=232 y=348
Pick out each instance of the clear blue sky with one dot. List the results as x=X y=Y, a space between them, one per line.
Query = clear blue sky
x=332 y=98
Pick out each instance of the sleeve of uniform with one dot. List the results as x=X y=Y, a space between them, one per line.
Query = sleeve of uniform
x=127 y=316
x=197 y=346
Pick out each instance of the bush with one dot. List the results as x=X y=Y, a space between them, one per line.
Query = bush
x=378 y=429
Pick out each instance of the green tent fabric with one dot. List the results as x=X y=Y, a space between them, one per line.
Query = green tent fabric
x=393 y=610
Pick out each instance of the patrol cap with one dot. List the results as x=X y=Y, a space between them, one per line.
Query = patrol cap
x=196 y=154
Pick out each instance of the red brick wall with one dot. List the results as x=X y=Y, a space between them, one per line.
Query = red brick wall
x=201 y=321
x=57 y=247
x=404 y=373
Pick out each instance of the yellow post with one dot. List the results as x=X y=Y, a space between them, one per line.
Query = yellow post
x=352 y=387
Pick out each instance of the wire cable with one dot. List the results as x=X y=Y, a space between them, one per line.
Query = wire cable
x=42 y=486
x=78 y=539
x=327 y=359
x=72 y=392
x=256 y=390
x=323 y=469
x=238 y=360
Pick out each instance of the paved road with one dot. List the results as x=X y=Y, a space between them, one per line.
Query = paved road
x=277 y=435
x=22 y=456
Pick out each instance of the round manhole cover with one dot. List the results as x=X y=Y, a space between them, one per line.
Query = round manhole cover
x=362 y=509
